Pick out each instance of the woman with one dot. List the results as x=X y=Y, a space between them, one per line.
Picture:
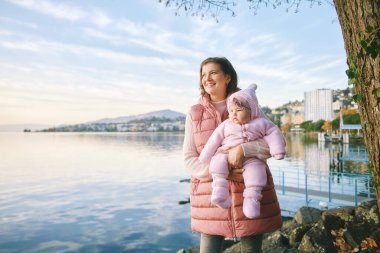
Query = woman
x=218 y=79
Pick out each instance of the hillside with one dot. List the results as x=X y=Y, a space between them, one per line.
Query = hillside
x=167 y=113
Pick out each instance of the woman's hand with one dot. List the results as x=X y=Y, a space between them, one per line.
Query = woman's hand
x=236 y=157
x=235 y=160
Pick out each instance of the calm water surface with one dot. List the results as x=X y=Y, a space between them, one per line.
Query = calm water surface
x=92 y=193
x=74 y=192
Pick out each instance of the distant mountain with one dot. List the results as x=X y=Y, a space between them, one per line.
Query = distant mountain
x=170 y=114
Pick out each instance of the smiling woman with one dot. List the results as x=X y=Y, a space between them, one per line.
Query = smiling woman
x=215 y=74
x=214 y=81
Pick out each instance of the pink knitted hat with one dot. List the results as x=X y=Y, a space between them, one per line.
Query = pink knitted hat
x=246 y=98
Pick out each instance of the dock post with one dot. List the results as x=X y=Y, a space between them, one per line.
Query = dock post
x=329 y=188
x=356 y=192
x=369 y=186
x=306 y=193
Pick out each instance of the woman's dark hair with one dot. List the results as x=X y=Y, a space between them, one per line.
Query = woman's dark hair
x=227 y=68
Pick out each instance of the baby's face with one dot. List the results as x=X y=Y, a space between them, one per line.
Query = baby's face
x=239 y=115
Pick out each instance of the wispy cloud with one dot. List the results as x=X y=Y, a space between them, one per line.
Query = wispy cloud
x=107 y=54
x=24 y=45
x=18 y=22
x=65 y=11
x=57 y=10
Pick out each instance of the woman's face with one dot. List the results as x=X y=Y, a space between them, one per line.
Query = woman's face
x=214 y=81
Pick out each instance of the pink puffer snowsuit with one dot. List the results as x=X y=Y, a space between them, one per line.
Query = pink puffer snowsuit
x=230 y=134
x=210 y=219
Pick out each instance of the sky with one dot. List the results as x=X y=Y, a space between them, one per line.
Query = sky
x=68 y=62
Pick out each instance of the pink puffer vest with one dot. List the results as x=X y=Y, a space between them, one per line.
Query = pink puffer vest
x=210 y=219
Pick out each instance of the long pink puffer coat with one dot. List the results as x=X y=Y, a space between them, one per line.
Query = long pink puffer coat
x=210 y=219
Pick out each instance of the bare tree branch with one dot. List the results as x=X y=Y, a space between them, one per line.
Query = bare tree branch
x=213 y=8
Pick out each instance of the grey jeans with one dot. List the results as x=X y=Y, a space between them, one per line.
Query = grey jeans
x=214 y=243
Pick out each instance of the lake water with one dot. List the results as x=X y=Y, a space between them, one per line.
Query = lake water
x=101 y=192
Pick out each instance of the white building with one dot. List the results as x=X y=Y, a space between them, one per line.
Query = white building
x=318 y=105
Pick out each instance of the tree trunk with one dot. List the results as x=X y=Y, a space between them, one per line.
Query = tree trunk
x=355 y=16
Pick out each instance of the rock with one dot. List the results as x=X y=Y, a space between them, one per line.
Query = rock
x=292 y=250
x=307 y=215
x=345 y=213
x=236 y=248
x=376 y=235
x=369 y=204
x=314 y=231
x=350 y=240
x=194 y=250
x=359 y=231
x=275 y=242
x=183 y=202
x=296 y=235
x=317 y=241
x=288 y=226
x=331 y=221
x=231 y=246
x=181 y=251
x=367 y=214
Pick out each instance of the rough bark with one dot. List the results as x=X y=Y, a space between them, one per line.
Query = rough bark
x=354 y=16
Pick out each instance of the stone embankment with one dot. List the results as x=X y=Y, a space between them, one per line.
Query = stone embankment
x=344 y=229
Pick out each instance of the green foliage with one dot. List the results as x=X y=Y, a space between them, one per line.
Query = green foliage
x=318 y=125
x=310 y=126
x=266 y=110
x=307 y=125
x=370 y=48
x=351 y=119
x=335 y=123
x=357 y=98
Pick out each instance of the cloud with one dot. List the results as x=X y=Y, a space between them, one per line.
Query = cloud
x=42 y=46
x=18 y=22
x=102 y=35
x=65 y=11
x=57 y=10
x=21 y=45
x=100 y=18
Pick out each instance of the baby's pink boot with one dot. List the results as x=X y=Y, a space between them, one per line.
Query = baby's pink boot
x=220 y=194
x=251 y=203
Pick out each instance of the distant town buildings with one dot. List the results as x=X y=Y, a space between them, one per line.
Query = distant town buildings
x=319 y=105
x=126 y=127
x=293 y=114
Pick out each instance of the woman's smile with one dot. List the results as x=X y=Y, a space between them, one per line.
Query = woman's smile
x=214 y=81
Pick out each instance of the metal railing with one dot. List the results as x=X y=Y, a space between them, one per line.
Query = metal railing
x=329 y=186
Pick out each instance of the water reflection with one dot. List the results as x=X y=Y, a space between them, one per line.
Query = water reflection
x=119 y=192
x=321 y=156
x=92 y=193
x=312 y=170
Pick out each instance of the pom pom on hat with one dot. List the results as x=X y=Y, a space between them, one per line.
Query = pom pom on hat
x=253 y=86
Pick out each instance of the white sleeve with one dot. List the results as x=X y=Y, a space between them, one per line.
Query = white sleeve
x=193 y=165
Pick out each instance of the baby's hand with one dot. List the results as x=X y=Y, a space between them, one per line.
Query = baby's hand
x=279 y=156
